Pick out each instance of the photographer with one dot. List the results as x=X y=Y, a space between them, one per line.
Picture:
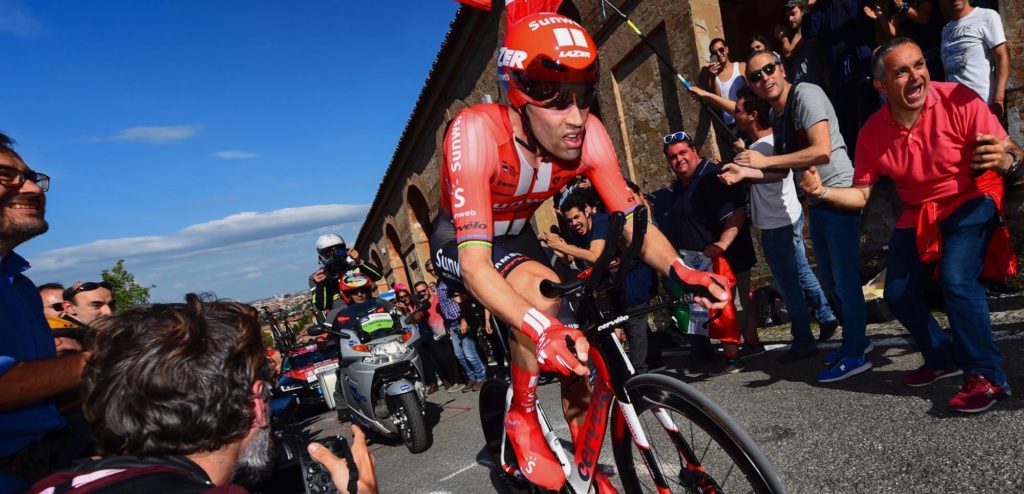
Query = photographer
x=179 y=392
x=335 y=260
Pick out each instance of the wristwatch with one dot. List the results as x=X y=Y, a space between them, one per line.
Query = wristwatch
x=1014 y=169
x=903 y=8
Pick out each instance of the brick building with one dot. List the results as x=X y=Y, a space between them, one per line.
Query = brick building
x=638 y=103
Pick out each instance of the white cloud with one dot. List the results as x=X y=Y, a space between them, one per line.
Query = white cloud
x=155 y=134
x=235 y=155
x=16 y=20
x=245 y=256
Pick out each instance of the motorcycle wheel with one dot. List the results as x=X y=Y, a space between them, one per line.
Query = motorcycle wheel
x=415 y=434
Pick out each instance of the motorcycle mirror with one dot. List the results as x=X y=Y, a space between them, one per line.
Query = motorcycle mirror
x=315 y=329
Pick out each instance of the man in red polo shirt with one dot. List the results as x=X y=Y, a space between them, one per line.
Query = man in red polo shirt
x=934 y=139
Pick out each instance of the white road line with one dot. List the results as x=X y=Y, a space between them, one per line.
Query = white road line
x=461 y=471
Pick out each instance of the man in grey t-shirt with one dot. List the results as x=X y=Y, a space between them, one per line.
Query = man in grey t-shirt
x=807 y=134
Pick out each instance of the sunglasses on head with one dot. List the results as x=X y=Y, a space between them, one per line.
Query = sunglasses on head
x=86 y=287
x=762 y=73
x=678 y=136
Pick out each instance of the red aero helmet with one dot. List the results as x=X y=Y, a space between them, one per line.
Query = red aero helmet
x=548 y=60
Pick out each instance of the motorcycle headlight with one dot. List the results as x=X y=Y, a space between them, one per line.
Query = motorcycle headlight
x=387 y=352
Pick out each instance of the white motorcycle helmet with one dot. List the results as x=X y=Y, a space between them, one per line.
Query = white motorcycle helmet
x=327 y=245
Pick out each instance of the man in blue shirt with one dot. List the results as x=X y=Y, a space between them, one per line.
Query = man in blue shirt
x=31 y=443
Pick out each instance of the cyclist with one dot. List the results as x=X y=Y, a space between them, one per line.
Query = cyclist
x=500 y=163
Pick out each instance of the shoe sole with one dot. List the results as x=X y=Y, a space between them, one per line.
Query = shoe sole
x=999 y=397
x=865 y=366
x=943 y=376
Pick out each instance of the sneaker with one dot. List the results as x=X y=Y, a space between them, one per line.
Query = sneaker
x=977 y=395
x=827 y=329
x=834 y=357
x=472 y=386
x=751 y=349
x=923 y=376
x=726 y=366
x=455 y=387
x=796 y=355
x=845 y=368
x=432 y=389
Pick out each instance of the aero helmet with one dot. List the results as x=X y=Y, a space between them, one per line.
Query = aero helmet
x=548 y=60
x=353 y=281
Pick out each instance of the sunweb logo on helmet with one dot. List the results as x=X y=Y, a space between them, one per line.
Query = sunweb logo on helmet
x=511 y=58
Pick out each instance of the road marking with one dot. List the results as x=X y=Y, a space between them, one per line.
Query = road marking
x=461 y=470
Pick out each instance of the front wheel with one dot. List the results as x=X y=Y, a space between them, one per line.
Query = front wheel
x=415 y=433
x=694 y=446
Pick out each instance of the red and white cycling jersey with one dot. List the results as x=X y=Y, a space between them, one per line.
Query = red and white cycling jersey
x=489 y=189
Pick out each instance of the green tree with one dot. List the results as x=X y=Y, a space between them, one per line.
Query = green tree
x=127 y=292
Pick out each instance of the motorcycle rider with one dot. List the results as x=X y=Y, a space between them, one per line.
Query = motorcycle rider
x=500 y=163
x=335 y=261
x=358 y=289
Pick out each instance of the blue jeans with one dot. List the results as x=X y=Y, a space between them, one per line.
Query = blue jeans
x=784 y=251
x=836 y=237
x=965 y=236
x=465 y=351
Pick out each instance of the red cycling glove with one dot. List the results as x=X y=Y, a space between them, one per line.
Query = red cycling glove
x=698 y=282
x=553 y=352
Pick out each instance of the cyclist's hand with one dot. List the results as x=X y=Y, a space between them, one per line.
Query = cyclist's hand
x=555 y=355
x=709 y=289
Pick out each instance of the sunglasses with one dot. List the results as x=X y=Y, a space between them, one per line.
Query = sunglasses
x=762 y=73
x=14 y=177
x=59 y=307
x=88 y=286
x=421 y=292
x=678 y=136
x=546 y=84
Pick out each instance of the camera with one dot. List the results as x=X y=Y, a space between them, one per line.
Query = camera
x=337 y=266
x=296 y=472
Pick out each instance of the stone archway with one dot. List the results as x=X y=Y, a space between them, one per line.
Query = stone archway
x=418 y=213
x=399 y=273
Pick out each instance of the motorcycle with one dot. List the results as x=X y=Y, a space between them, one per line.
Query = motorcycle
x=380 y=377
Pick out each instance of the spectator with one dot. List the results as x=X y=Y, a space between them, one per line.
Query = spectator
x=335 y=260
x=918 y=20
x=806 y=133
x=776 y=211
x=437 y=347
x=151 y=369
x=463 y=342
x=33 y=436
x=52 y=295
x=726 y=81
x=757 y=43
x=974 y=52
x=919 y=139
x=800 y=48
x=703 y=216
x=86 y=301
x=584 y=244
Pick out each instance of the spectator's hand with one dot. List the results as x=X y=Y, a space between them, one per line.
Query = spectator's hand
x=752 y=159
x=319 y=276
x=779 y=32
x=67 y=345
x=488 y=329
x=338 y=467
x=714 y=250
x=739 y=145
x=553 y=354
x=810 y=182
x=733 y=174
x=874 y=12
x=554 y=240
x=990 y=153
x=698 y=92
x=463 y=327
x=998 y=107
x=716 y=68
x=354 y=254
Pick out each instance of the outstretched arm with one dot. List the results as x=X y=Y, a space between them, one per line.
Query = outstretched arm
x=32 y=381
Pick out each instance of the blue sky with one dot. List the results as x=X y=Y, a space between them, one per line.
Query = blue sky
x=208 y=143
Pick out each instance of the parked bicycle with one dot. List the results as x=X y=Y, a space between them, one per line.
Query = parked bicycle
x=666 y=435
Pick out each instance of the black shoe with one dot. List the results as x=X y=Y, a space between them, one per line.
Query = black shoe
x=726 y=366
x=796 y=355
x=751 y=349
x=827 y=329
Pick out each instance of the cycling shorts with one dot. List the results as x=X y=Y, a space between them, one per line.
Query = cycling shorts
x=507 y=251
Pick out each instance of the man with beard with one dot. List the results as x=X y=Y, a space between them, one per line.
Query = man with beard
x=33 y=436
x=177 y=398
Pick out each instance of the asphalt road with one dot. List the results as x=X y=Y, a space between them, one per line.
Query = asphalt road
x=868 y=433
